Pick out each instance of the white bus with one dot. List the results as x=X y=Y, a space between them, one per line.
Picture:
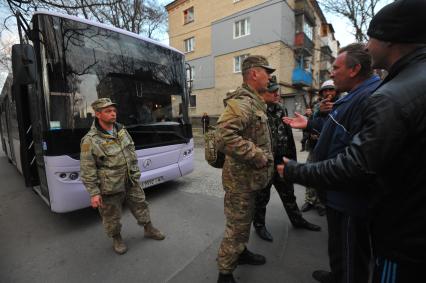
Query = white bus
x=62 y=66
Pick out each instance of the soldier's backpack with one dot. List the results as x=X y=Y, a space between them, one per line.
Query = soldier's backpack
x=213 y=156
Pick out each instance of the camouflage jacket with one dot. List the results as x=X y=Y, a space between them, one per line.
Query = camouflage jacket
x=282 y=135
x=246 y=135
x=108 y=162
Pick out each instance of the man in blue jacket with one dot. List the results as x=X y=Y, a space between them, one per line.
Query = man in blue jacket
x=387 y=158
x=349 y=244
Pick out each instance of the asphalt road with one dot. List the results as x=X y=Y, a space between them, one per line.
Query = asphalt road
x=37 y=245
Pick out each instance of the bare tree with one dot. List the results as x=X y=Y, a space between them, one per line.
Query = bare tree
x=358 y=12
x=5 y=53
x=139 y=16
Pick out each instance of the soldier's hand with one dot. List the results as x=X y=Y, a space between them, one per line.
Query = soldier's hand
x=261 y=163
x=96 y=201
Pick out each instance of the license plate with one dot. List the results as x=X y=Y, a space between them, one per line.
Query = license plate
x=152 y=182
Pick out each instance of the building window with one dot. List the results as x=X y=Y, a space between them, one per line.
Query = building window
x=190 y=72
x=188 y=15
x=238 y=61
x=308 y=30
x=241 y=28
x=189 y=44
x=192 y=101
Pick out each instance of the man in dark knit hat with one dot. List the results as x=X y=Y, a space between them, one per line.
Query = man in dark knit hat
x=387 y=158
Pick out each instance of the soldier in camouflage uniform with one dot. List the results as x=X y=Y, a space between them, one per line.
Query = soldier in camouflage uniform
x=248 y=166
x=110 y=172
x=282 y=145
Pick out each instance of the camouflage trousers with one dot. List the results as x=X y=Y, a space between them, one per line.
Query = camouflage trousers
x=111 y=209
x=239 y=209
x=286 y=192
x=312 y=197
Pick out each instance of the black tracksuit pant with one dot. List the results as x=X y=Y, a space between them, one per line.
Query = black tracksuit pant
x=349 y=247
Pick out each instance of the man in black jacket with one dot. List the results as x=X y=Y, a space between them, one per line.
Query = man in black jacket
x=387 y=158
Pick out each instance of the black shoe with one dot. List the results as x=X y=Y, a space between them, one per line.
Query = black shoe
x=226 y=278
x=322 y=276
x=321 y=211
x=306 y=207
x=302 y=223
x=263 y=233
x=247 y=257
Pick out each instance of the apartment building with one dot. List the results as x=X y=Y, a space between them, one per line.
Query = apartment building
x=217 y=35
x=328 y=52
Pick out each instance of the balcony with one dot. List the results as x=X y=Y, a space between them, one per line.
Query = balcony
x=303 y=45
x=302 y=7
x=301 y=78
x=323 y=76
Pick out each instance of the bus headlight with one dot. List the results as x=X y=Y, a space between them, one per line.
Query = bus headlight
x=187 y=152
x=62 y=175
x=73 y=176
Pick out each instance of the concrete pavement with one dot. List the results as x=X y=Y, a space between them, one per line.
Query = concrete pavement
x=40 y=246
x=292 y=256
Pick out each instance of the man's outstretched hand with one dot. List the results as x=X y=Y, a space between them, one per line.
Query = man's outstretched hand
x=298 y=122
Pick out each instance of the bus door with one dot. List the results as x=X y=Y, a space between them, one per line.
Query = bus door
x=24 y=79
x=7 y=120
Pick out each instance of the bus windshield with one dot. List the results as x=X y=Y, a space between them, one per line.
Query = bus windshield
x=82 y=63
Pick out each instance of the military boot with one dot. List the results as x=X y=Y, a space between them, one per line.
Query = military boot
x=322 y=276
x=118 y=245
x=302 y=223
x=152 y=232
x=247 y=257
x=263 y=233
x=226 y=278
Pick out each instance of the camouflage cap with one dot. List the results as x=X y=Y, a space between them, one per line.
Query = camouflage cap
x=100 y=103
x=257 y=61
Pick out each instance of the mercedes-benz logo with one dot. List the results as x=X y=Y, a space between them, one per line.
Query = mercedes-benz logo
x=147 y=163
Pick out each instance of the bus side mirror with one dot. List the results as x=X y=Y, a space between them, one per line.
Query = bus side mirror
x=23 y=64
